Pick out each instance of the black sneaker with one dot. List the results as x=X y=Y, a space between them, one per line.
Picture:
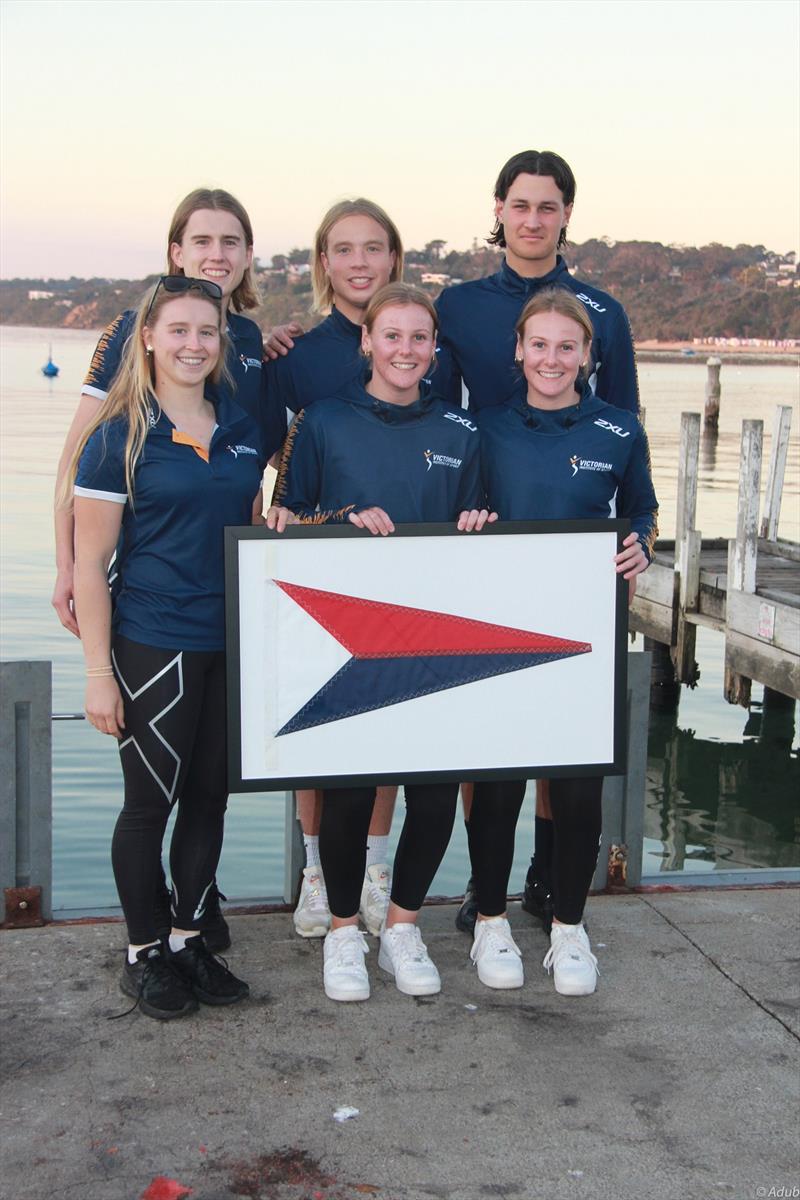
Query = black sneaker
x=158 y=988
x=537 y=899
x=207 y=976
x=215 y=928
x=467 y=915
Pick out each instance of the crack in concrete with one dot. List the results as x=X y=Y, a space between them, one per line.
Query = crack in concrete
x=710 y=958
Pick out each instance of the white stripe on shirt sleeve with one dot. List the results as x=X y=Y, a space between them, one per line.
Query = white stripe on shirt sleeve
x=98 y=393
x=94 y=494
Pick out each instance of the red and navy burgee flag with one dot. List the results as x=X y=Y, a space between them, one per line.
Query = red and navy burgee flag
x=399 y=653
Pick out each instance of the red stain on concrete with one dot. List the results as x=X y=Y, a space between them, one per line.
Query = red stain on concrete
x=165 y=1189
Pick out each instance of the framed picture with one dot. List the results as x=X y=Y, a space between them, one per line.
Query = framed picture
x=426 y=654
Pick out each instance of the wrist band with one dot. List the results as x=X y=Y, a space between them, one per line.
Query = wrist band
x=99 y=672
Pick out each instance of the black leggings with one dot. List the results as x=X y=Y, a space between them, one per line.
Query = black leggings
x=346 y=814
x=173 y=750
x=577 y=820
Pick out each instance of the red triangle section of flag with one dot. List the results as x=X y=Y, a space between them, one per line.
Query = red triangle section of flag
x=374 y=629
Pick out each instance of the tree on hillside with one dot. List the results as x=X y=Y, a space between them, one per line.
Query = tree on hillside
x=435 y=249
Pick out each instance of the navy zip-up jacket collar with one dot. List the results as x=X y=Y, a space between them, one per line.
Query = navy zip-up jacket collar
x=555 y=421
x=510 y=281
x=390 y=414
x=343 y=326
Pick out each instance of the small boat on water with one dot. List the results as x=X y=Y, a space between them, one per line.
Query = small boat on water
x=50 y=370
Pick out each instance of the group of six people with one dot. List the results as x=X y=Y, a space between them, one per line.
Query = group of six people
x=180 y=413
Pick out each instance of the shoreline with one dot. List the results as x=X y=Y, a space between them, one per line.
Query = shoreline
x=647 y=351
x=653 y=351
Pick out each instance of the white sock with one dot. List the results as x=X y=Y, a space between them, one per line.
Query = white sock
x=311 y=845
x=134 y=950
x=377 y=849
x=177 y=941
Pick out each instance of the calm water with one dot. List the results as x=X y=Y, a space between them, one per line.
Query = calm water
x=722 y=783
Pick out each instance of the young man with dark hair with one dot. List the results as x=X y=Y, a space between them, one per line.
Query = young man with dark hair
x=534 y=195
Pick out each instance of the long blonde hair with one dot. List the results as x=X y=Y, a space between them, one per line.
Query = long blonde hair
x=132 y=397
x=323 y=291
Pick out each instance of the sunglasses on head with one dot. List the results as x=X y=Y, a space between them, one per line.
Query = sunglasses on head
x=176 y=284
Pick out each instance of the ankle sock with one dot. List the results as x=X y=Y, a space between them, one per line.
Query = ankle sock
x=377 y=849
x=134 y=950
x=177 y=941
x=311 y=844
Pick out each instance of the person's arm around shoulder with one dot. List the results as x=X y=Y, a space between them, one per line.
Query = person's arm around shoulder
x=280 y=339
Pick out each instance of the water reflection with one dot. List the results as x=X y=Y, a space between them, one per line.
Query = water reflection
x=709 y=439
x=724 y=804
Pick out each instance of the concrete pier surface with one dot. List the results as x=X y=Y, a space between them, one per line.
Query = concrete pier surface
x=677 y=1080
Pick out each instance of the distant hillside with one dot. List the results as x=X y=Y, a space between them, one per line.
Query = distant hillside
x=671 y=293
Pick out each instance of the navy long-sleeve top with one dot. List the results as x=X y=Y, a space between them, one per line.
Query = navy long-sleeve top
x=419 y=462
x=477 y=339
x=323 y=362
x=590 y=460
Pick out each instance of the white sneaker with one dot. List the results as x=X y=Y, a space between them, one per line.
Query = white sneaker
x=344 y=973
x=570 y=956
x=496 y=955
x=375 y=897
x=312 y=917
x=404 y=955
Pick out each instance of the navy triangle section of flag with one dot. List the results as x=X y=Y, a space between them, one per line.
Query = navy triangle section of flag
x=365 y=684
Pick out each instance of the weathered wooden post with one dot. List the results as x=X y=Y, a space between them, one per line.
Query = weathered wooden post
x=777 y=468
x=26 y=825
x=688 y=542
x=713 y=391
x=743 y=550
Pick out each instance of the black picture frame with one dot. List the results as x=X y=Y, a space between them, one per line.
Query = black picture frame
x=234 y=536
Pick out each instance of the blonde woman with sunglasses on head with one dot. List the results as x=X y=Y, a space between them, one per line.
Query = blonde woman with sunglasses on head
x=156 y=476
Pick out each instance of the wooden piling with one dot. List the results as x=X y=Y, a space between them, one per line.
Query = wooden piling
x=743 y=549
x=713 y=391
x=777 y=468
x=688 y=543
x=747 y=589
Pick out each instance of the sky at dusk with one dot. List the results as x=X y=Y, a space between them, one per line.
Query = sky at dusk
x=679 y=119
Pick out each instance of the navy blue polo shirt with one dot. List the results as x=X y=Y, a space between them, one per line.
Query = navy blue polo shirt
x=590 y=460
x=170 y=558
x=419 y=462
x=322 y=363
x=477 y=339
x=244 y=361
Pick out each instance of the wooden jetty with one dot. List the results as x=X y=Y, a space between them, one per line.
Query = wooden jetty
x=747 y=587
